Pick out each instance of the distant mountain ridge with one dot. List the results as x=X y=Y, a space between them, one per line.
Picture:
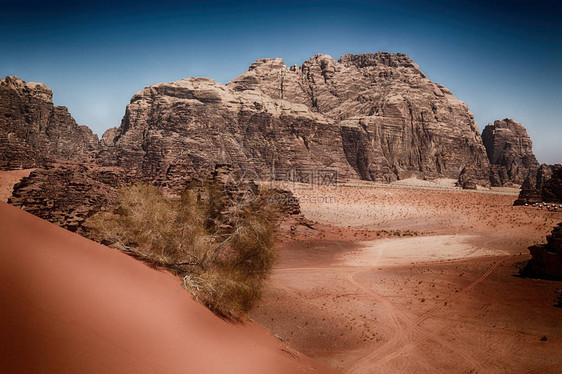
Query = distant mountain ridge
x=369 y=116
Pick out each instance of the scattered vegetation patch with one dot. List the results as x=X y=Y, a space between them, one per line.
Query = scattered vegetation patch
x=222 y=247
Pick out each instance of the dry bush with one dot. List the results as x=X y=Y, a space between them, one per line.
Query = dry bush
x=162 y=230
x=226 y=290
x=223 y=250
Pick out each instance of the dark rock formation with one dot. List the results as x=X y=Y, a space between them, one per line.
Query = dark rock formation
x=542 y=185
x=394 y=122
x=552 y=188
x=67 y=194
x=510 y=152
x=546 y=260
x=33 y=131
x=467 y=178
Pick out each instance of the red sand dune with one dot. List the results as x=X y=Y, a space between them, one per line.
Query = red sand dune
x=72 y=305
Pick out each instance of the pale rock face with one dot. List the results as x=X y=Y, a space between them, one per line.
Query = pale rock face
x=174 y=131
x=33 y=131
x=510 y=151
x=394 y=122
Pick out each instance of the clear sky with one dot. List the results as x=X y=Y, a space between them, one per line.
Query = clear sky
x=504 y=59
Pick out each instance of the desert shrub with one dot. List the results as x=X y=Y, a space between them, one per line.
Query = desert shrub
x=223 y=250
x=159 y=229
x=225 y=289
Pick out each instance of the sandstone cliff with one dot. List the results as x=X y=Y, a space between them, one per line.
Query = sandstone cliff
x=370 y=116
x=394 y=122
x=509 y=150
x=33 y=131
x=174 y=131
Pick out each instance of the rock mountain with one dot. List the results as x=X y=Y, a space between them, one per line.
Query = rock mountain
x=172 y=131
x=393 y=121
x=374 y=117
x=33 y=131
x=370 y=116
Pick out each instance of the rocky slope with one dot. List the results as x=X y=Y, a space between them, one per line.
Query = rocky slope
x=394 y=122
x=33 y=131
x=510 y=152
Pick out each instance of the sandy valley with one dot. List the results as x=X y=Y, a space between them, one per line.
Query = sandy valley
x=410 y=278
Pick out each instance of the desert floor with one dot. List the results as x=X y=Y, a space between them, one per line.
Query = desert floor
x=416 y=277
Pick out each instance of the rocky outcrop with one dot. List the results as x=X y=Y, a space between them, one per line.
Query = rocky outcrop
x=67 y=194
x=33 y=131
x=546 y=259
x=510 y=152
x=175 y=131
x=394 y=122
x=542 y=185
x=466 y=180
x=552 y=188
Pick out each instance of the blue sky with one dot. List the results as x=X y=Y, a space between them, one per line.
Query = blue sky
x=504 y=59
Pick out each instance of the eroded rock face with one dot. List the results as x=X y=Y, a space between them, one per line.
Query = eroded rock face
x=67 y=194
x=542 y=185
x=175 y=131
x=552 y=188
x=372 y=116
x=33 y=131
x=510 y=152
x=394 y=122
